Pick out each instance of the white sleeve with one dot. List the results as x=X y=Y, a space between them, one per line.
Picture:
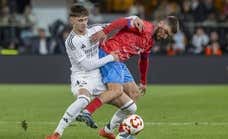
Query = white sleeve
x=76 y=50
x=94 y=64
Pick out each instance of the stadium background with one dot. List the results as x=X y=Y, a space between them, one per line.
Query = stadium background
x=197 y=55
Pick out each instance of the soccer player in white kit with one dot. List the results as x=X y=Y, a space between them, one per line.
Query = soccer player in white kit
x=85 y=77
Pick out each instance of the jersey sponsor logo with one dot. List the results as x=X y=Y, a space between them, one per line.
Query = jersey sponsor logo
x=91 y=51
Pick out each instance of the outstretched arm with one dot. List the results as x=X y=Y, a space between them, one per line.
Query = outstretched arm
x=130 y=22
x=143 y=65
x=80 y=57
x=89 y=64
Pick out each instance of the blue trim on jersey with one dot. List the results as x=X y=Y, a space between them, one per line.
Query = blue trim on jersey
x=114 y=72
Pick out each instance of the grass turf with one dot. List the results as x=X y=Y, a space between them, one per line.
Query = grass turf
x=169 y=112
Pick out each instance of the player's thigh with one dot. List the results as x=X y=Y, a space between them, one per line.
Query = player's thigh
x=132 y=90
x=114 y=90
x=121 y=100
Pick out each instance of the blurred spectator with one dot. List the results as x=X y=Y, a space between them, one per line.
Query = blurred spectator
x=88 y=4
x=210 y=7
x=95 y=17
x=18 y=24
x=186 y=13
x=41 y=45
x=199 y=10
x=159 y=13
x=60 y=46
x=28 y=22
x=214 y=37
x=225 y=9
x=137 y=9
x=214 y=47
x=28 y=17
x=170 y=49
x=211 y=20
x=199 y=40
x=15 y=18
x=179 y=42
x=5 y=16
x=171 y=8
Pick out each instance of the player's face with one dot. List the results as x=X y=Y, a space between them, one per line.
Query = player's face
x=79 y=23
x=163 y=31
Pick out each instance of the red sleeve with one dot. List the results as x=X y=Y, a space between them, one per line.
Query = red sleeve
x=117 y=24
x=143 y=64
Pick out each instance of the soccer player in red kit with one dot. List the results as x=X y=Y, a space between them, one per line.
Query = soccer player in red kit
x=127 y=42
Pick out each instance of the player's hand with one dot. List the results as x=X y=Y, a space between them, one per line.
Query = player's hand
x=115 y=55
x=138 y=23
x=142 y=89
x=98 y=36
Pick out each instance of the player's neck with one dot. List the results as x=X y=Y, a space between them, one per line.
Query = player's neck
x=78 y=32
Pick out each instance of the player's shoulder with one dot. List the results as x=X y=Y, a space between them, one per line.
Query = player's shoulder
x=96 y=27
x=71 y=40
x=148 y=26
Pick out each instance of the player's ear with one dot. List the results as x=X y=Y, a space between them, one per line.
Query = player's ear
x=71 y=20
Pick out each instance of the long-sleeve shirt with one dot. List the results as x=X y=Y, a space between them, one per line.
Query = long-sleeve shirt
x=129 y=41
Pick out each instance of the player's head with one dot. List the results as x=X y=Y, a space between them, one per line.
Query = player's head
x=79 y=17
x=166 y=28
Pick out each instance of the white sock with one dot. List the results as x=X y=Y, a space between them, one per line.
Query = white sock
x=122 y=113
x=72 y=112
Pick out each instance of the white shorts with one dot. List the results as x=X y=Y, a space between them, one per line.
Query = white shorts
x=92 y=83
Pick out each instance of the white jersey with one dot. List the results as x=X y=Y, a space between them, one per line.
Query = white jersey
x=79 y=47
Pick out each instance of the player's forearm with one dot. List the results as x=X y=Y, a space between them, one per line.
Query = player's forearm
x=143 y=64
x=94 y=64
x=117 y=24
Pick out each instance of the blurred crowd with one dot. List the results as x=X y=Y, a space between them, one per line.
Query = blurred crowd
x=204 y=26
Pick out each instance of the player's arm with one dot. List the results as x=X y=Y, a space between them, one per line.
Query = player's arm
x=80 y=56
x=88 y=64
x=143 y=64
x=130 y=22
x=120 y=23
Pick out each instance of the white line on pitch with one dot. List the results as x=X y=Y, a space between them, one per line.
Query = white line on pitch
x=146 y=123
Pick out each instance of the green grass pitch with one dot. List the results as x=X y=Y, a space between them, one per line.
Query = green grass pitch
x=169 y=112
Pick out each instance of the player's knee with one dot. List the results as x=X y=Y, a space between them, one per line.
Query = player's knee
x=134 y=95
x=116 y=89
x=83 y=92
x=132 y=109
x=85 y=99
x=118 y=92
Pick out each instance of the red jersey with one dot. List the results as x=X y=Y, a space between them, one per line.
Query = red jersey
x=128 y=41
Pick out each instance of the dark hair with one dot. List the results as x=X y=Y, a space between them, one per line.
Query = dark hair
x=173 y=23
x=78 y=10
